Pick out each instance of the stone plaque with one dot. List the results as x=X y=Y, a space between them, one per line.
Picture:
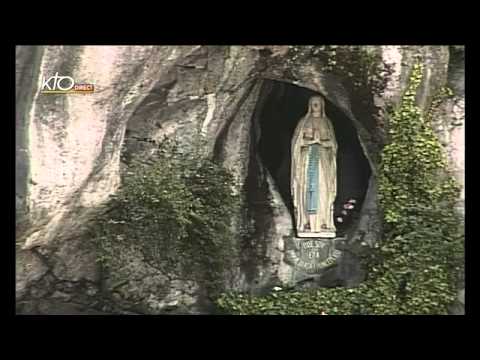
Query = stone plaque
x=313 y=255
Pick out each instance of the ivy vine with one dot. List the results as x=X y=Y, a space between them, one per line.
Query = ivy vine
x=177 y=208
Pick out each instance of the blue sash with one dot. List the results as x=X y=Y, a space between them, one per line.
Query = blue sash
x=312 y=178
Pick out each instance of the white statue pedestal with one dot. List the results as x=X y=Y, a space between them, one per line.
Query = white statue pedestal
x=322 y=234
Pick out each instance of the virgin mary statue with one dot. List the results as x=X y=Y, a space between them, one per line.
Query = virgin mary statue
x=314 y=172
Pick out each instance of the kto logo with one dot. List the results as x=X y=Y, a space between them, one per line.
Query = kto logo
x=64 y=85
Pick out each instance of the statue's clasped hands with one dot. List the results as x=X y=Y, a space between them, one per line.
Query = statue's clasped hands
x=314 y=137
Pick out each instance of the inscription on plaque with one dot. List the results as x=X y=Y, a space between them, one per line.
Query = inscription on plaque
x=313 y=255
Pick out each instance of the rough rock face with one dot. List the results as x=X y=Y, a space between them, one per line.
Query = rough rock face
x=70 y=151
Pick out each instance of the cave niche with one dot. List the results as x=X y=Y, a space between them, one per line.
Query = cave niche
x=284 y=105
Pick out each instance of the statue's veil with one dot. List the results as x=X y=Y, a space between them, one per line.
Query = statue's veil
x=322 y=106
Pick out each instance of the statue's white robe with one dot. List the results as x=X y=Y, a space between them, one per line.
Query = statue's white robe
x=321 y=223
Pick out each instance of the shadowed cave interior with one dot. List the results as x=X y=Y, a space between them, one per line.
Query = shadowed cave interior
x=283 y=108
